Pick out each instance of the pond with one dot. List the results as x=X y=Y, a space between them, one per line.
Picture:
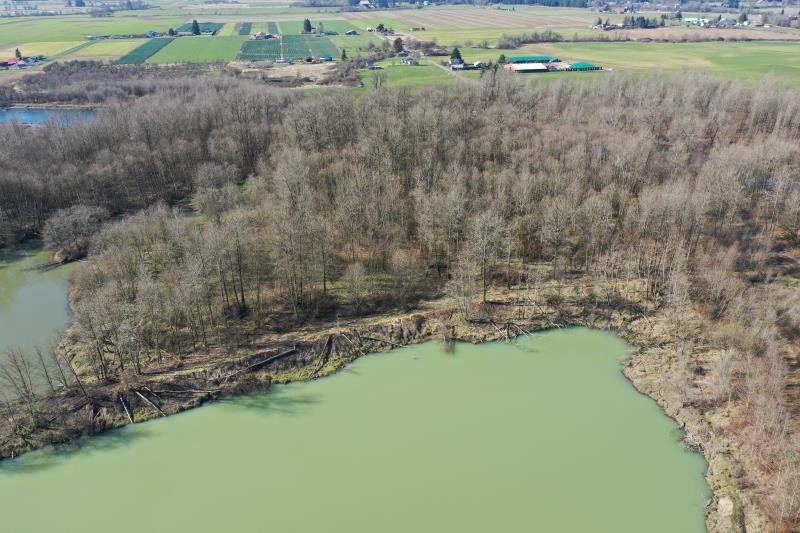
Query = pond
x=541 y=435
x=42 y=116
x=33 y=301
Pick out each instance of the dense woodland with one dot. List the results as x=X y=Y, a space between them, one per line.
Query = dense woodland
x=263 y=209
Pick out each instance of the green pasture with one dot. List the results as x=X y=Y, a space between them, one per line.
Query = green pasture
x=76 y=28
x=355 y=44
x=398 y=74
x=48 y=49
x=103 y=50
x=199 y=49
x=748 y=60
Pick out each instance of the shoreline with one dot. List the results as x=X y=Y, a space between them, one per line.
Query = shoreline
x=305 y=357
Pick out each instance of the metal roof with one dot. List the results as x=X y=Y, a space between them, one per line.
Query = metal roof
x=530 y=67
x=533 y=59
x=583 y=65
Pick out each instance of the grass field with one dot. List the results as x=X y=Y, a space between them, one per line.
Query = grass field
x=47 y=49
x=76 y=28
x=200 y=49
x=139 y=55
x=399 y=75
x=104 y=50
x=355 y=44
x=738 y=60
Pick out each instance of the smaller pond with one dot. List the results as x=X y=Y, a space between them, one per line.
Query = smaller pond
x=33 y=301
x=43 y=116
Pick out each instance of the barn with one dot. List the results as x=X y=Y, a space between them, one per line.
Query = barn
x=524 y=68
x=533 y=59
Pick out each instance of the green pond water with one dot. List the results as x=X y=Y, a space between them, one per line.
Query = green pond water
x=33 y=302
x=543 y=436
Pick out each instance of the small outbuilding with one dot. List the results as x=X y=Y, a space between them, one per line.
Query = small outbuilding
x=584 y=66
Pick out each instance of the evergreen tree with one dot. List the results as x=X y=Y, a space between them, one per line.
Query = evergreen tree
x=501 y=59
x=344 y=54
x=171 y=32
x=455 y=57
x=195 y=28
x=398 y=45
x=742 y=18
x=306 y=26
x=18 y=54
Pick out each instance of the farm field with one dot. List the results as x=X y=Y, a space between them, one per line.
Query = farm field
x=204 y=26
x=76 y=28
x=400 y=75
x=739 y=60
x=294 y=47
x=245 y=28
x=103 y=50
x=42 y=48
x=355 y=44
x=200 y=49
x=140 y=54
x=230 y=28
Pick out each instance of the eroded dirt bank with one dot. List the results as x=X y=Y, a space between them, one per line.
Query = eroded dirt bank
x=183 y=383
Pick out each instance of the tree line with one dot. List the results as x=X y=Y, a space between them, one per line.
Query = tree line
x=283 y=208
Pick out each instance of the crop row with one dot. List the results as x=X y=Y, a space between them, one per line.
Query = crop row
x=139 y=55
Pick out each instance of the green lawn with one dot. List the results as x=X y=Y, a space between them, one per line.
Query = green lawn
x=200 y=49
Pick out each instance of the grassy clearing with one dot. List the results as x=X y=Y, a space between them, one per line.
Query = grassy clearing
x=139 y=55
x=355 y=44
x=399 y=75
x=76 y=28
x=200 y=49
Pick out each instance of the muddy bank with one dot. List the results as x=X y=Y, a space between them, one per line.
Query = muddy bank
x=185 y=383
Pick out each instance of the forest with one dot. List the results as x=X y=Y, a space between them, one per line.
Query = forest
x=283 y=209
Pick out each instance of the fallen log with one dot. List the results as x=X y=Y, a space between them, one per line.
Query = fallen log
x=127 y=412
x=260 y=364
x=146 y=399
x=381 y=340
